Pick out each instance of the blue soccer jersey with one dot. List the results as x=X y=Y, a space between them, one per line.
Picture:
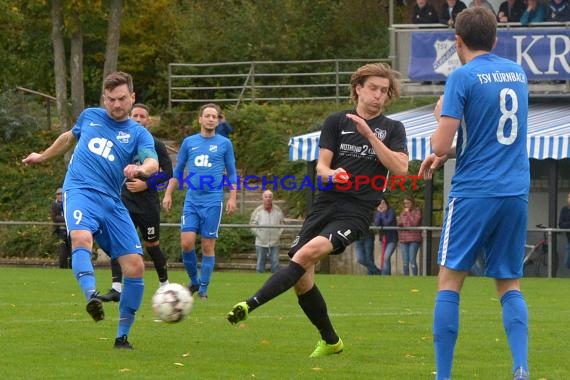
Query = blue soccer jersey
x=490 y=95
x=105 y=146
x=211 y=168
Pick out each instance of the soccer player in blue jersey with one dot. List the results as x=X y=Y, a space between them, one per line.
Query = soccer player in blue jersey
x=107 y=143
x=486 y=103
x=211 y=169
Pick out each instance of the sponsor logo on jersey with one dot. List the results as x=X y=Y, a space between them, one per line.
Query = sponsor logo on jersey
x=202 y=161
x=380 y=133
x=101 y=147
x=123 y=137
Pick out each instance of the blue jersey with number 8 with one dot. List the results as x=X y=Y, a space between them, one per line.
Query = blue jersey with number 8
x=490 y=96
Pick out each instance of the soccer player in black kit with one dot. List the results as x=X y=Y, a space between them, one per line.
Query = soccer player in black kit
x=144 y=208
x=359 y=142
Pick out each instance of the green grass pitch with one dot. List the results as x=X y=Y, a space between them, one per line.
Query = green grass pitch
x=385 y=323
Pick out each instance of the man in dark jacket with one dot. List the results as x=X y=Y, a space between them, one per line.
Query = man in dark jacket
x=63 y=244
x=564 y=222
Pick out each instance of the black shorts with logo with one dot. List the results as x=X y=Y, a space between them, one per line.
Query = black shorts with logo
x=337 y=216
x=148 y=224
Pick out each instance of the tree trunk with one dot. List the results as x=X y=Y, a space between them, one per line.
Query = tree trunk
x=113 y=37
x=59 y=63
x=76 y=67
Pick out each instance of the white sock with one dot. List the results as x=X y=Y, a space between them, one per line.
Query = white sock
x=162 y=283
x=117 y=286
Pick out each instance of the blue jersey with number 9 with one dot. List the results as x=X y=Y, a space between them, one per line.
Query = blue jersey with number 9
x=489 y=95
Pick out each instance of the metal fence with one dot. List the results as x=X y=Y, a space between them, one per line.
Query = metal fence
x=551 y=235
x=262 y=81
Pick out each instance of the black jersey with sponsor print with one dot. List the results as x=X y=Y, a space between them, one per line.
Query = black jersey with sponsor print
x=141 y=202
x=353 y=152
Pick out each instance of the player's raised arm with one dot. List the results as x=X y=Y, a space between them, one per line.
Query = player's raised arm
x=62 y=144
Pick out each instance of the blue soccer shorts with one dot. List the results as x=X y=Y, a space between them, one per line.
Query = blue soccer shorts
x=202 y=219
x=493 y=227
x=105 y=217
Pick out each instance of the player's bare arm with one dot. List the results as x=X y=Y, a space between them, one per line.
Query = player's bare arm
x=167 y=199
x=62 y=144
x=324 y=170
x=395 y=162
x=231 y=205
x=136 y=185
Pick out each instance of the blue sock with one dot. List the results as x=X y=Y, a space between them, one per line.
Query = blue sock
x=445 y=329
x=515 y=322
x=207 y=269
x=131 y=298
x=83 y=271
x=190 y=263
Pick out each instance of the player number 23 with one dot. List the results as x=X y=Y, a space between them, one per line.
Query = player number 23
x=508 y=114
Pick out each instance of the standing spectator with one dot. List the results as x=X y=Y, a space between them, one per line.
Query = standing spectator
x=535 y=12
x=473 y=127
x=144 y=208
x=510 y=11
x=386 y=217
x=564 y=222
x=559 y=11
x=209 y=158
x=481 y=3
x=364 y=249
x=224 y=128
x=107 y=143
x=63 y=244
x=411 y=216
x=424 y=13
x=449 y=11
x=340 y=215
x=267 y=239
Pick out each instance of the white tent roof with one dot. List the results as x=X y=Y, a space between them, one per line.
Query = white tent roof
x=548 y=133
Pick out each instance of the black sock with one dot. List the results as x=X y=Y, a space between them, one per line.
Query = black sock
x=117 y=275
x=278 y=283
x=315 y=308
x=159 y=260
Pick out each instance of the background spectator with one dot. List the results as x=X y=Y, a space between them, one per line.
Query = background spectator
x=63 y=244
x=564 y=222
x=385 y=216
x=411 y=216
x=535 y=12
x=450 y=10
x=424 y=13
x=510 y=11
x=481 y=3
x=224 y=128
x=364 y=249
x=558 y=10
x=267 y=239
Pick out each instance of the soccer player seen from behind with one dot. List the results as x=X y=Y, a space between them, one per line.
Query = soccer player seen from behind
x=208 y=156
x=358 y=142
x=107 y=144
x=144 y=208
x=486 y=103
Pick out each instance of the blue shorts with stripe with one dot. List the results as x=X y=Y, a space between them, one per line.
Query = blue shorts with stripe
x=202 y=219
x=492 y=227
x=105 y=217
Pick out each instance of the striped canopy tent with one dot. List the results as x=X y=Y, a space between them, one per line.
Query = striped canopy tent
x=548 y=133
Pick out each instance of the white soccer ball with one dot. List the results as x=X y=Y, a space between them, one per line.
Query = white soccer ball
x=172 y=303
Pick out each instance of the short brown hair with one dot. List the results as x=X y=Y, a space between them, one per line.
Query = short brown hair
x=117 y=79
x=477 y=27
x=210 y=105
x=375 y=70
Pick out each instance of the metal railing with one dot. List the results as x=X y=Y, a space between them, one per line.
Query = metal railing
x=550 y=233
x=262 y=81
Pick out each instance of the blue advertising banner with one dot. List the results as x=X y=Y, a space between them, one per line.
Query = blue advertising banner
x=543 y=53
